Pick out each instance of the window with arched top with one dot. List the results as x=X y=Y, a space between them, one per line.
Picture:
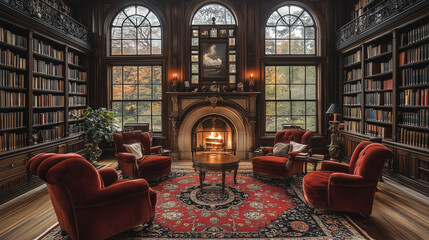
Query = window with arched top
x=136 y=89
x=290 y=88
x=136 y=30
x=213 y=47
x=290 y=29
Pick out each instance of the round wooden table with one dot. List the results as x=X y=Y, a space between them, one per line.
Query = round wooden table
x=218 y=162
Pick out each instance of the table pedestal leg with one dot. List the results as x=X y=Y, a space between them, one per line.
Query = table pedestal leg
x=223 y=181
x=315 y=165
x=235 y=176
x=202 y=175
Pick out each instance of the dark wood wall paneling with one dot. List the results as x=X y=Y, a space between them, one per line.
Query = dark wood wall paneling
x=251 y=16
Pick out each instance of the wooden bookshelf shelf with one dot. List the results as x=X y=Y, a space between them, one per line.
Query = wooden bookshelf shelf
x=353 y=65
x=414 y=86
x=378 y=106
x=71 y=65
x=47 y=91
x=380 y=75
x=12 y=68
x=47 y=75
x=415 y=64
x=380 y=56
x=380 y=90
x=414 y=44
x=47 y=125
x=351 y=118
x=353 y=81
x=412 y=106
x=13 y=47
x=13 y=129
x=378 y=122
x=77 y=94
x=48 y=58
x=14 y=89
x=414 y=127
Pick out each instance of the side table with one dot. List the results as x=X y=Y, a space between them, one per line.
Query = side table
x=314 y=159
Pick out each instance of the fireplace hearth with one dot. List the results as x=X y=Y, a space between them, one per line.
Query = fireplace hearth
x=213 y=134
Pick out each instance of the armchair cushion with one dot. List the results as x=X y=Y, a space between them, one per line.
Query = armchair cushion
x=334 y=166
x=135 y=149
x=281 y=149
x=299 y=147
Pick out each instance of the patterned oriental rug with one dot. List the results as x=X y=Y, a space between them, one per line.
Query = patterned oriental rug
x=254 y=208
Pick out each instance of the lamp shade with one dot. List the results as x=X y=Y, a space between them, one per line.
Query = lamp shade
x=334 y=109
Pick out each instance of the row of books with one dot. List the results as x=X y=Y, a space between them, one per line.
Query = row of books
x=414 y=138
x=48 y=68
x=414 y=97
x=74 y=58
x=75 y=129
x=77 y=75
x=11 y=120
x=352 y=88
x=412 y=76
x=373 y=50
x=11 y=79
x=12 y=59
x=373 y=68
x=75 y=112
x=372 y=84
x=358 y=10
x=12 y=99
x=353 y=58
x=10 y=141
x=77 y=101
x=352 y=100
x=52 y=134
x=48 y=100
x=77 y=88
x=48 y=117
x=48 y=84
x=46 y=49
x=8 y=37
x=354 y=112
x=419 y=118
x=59 y=5
x=412 y=55
x=415 y=35
x=376 y=99
x=378 y=131
x=353 y=74
x=352 y=126
x=378 y=115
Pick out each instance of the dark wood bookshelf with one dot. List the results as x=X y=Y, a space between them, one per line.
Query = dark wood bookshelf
x=353 y=81
x=13 y=47
x=12 y=68
x=414 y=44
x=380 y=56
x=47 y=91
x=415 y=64
x=13 y=89
x=47 y=75
x=414 y=86
x=379 y=90
x=378 y=122
x=48 y=58
x=353 y=65
x=413 y=127
x=47 y=125
x=13 y=129
x=380 y=75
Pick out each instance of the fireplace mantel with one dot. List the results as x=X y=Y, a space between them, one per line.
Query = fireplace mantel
x=182 y=102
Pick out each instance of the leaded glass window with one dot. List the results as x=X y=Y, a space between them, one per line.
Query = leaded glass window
x=205 y=15
x=290 y=30
x=136 y=30
x=290 y=97
x=137 y=95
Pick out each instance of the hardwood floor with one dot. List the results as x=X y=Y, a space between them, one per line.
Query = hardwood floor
x=398 y=213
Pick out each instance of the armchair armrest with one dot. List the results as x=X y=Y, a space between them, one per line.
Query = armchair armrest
x=350 y=181
x=267 y=150
x=334 y=166
x=127 y=157
x=155 y=149
x=116 y=193
x=109 y=176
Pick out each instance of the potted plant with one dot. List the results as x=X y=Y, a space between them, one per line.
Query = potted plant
x=98 y=125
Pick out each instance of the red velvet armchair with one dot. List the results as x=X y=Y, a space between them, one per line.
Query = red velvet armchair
x=347 y=187
x=282 y=167
x=92 y=204
x=149 y=166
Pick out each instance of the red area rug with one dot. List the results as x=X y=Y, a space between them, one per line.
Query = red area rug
x=253 y=208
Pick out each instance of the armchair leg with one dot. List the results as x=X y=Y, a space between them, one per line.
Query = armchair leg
x=63 y=232
x=365 y=217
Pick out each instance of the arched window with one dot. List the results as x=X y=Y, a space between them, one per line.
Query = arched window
x=213 y=46
x=137 y=88
x=290 y=89
x=290 y=30
x=136 y=30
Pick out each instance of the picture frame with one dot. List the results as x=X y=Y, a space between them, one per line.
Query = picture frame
x=205 y=34
x=223 y=33
x=214 y=61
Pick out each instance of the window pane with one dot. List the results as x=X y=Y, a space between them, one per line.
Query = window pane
x=310 y=108
x=297 y=32
x=130 y=92
x=282 y=120
x=116 y=33
x=117 y=108
x=117 y=75
x=116 y=47
x=309 y=33
x=298 y=108
x=156 y=33
x=282 y=32
x=143 y=33
x=130 y=74
x=129 y=33
x=282 y=46
x=145 y=119
x=283 y=108
x=282 y=92
x=297 y=46
x=156 y=47
x=156 y=108
x=270 y=33
x=145 y=92
x=270 y=108
x=299 y=120
x=144 y=108
x=157 y=75
x=270 y=75
x=298 y=74
x=310 y=92
x=129 y=47
x=117 y=92
x=309 y=47
x=205 y=14
x=130 y=119
x=157 y=92
x=130 y=108
x=145 y=74
x=270 y=124
x=270 y=92
x=270 y=46
x=144 y=47
x=297 y=91
x=156 y=123
x=310 y=123
x=311 y=74
x=282 y=74
x=272 y=20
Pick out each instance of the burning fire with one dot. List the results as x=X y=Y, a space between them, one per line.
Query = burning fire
x=214 y=135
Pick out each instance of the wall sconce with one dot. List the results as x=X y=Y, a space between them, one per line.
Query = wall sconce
x=174 y=82
x=251 y=82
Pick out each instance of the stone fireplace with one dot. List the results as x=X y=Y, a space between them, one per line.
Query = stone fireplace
x=212 y=122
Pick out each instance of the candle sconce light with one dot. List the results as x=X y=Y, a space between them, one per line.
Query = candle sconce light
x=251 y=82
x=174 y=82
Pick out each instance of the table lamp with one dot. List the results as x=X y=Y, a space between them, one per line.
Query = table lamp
x=335 y=110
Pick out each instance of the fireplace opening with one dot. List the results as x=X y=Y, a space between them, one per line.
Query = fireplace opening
x=213 y=134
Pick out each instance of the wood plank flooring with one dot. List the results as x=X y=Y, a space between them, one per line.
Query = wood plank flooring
x=398 y=213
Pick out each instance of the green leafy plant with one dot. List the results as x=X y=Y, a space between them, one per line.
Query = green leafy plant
x=99 y=126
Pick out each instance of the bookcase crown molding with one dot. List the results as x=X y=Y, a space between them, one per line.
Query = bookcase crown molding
x=46 y=15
